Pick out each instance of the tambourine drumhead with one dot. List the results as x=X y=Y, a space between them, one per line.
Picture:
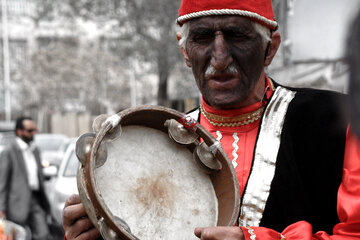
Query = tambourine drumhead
x=153 y=185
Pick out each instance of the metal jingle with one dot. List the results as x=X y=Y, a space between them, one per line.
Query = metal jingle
x=123 y=224
x=206 y=157
x=98 y=121
x=200 y=165
x=106 y=232
x=112 y=134
x=83 y=146
x=179 y=133
x=101 y=155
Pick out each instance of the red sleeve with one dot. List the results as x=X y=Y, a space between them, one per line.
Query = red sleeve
x=348 y=206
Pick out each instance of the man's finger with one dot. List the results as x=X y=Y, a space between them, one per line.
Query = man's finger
x=73 y=199
x=73 y=212
x=89 y=235
x=198 y=231
x=77 y=229
x=217 y=233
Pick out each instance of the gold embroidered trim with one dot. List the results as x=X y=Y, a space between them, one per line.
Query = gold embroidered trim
x=251 y=232
x=241 y=120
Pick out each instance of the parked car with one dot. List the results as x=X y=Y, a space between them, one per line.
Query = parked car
x=64 y=184
x=52 y=147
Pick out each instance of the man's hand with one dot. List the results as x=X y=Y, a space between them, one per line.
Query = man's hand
x=217 y=233
x=75 y=221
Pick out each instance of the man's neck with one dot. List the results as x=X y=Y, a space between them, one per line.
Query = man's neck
x=22 y=143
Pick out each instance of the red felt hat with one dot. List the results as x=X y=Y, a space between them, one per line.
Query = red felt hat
x=258 y=10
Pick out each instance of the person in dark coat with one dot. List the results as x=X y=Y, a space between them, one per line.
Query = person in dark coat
x=22 y=195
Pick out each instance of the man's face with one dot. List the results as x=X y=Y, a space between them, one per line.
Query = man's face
x=27 y=134
x=226 y=55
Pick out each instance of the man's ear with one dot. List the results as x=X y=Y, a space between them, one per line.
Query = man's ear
x=274 y=46
x=183 y=50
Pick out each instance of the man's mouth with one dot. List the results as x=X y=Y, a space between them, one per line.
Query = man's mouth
x=221 y=80
x=220 y=77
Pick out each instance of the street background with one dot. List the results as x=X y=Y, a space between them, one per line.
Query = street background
x=65 y=62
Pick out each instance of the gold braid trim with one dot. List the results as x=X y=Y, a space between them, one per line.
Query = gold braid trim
x=241 y=120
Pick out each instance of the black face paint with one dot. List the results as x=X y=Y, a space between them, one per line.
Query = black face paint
x=223 y=41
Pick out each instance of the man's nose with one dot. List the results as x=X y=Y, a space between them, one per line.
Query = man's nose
x=220 y=56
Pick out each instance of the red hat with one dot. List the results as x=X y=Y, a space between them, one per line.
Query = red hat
x=258 y=10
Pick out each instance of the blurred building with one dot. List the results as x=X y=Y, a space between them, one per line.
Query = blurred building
x=311 y=55
x=19 y=28
x=28 y=30
x=313 y=42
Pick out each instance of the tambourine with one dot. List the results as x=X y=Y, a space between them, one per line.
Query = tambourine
x=154 y=173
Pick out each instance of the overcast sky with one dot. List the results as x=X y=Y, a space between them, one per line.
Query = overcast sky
x=318 y=28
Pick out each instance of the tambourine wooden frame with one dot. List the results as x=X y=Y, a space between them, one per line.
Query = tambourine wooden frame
x=226 y=185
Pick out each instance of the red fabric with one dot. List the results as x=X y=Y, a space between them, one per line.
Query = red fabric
x=348 y=205
x=247 y=137
x=246 y=134
x=348 y=201
x=261 y=7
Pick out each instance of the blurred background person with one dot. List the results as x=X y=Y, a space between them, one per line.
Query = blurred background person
x=22 y=196
x=353 y=54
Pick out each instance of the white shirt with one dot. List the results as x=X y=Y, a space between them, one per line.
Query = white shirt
x=30 y=163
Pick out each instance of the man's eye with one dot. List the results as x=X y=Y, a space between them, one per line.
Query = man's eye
x=199 y=38
x=236 y=35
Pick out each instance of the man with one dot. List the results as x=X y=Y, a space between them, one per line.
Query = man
x=22 y=196
x=295 y=162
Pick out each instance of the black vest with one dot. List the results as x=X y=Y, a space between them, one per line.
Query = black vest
x=309 y=164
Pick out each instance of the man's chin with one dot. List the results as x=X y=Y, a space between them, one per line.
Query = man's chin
x=225 y=103
x=225 y=99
